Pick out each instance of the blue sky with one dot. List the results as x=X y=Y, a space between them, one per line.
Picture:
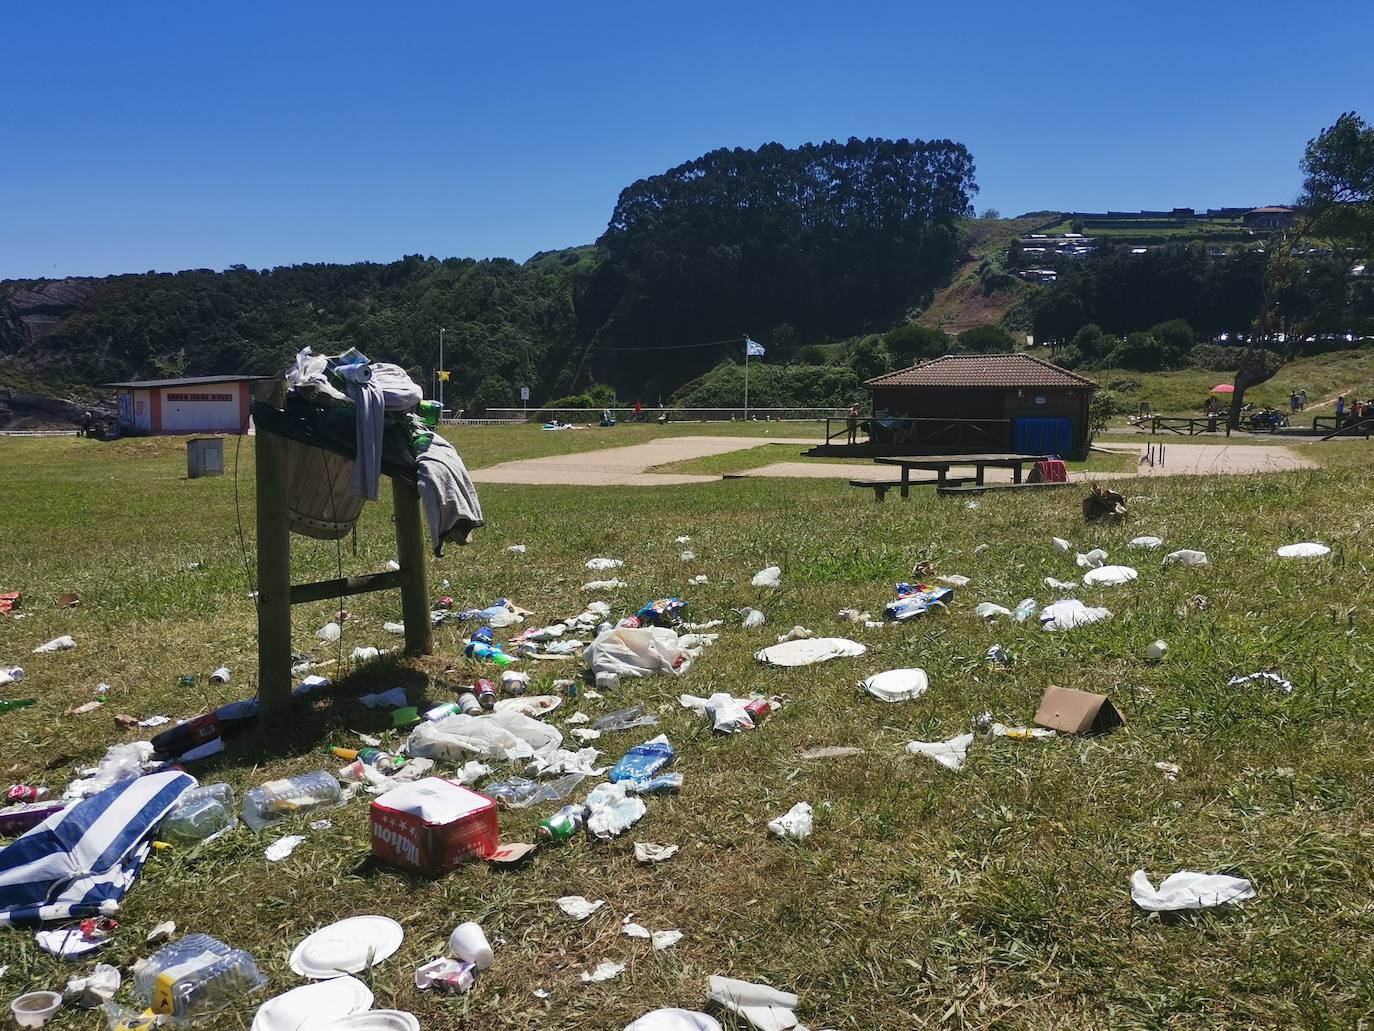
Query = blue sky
x=188 y=135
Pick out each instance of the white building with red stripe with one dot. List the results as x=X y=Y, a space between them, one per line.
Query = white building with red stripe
x=195 y=404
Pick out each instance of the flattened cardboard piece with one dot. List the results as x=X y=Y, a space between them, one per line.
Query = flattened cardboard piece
x=1077 y=712
x=511 y=854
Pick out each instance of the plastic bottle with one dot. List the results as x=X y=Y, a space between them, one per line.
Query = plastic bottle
x=197 y=820
x=487 y=653
x=275 y=800
x=194 y=977
x=6 y=704
x=562 y=825
x=1025 y=610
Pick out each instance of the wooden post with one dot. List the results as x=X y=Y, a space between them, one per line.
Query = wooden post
x=414 y=559
x=274 y=570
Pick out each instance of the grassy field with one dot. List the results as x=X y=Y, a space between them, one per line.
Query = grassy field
x=1183 y=392
x=993 y=897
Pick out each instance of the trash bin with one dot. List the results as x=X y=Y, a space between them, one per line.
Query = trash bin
x=204 y=457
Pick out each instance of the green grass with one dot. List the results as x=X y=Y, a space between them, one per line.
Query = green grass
x=1183 y=392
x=996 y=897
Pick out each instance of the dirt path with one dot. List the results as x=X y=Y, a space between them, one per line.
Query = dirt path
x=625 y=466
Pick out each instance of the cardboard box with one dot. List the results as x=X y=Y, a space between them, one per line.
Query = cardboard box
x=432 y=825
x=1077 y=712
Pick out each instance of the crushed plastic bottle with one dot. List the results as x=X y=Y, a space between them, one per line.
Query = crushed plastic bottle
x=626 y=719
x=1025 y=610
x=270 y=803
x=203 y=814
x=194 y=977
x=641 y=762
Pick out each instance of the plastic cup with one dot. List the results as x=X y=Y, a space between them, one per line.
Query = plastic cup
x=469 y=943
x=36 y=1008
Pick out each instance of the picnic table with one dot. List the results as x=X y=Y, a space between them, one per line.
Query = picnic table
x=941 y=465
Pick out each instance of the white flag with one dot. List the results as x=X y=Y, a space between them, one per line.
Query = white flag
x=752 y=348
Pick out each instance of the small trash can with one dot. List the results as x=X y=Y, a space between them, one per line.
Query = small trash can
x=204 y=457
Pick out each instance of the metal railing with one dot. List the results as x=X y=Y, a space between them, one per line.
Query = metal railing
x=925 y=432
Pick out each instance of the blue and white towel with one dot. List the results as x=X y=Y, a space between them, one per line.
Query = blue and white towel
x=81 y=861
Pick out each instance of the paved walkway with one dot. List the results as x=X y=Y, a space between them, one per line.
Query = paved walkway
x=625 y=466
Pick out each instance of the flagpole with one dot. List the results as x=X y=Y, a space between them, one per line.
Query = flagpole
x=746 y=377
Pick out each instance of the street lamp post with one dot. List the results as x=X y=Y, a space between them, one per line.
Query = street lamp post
x=440 y=378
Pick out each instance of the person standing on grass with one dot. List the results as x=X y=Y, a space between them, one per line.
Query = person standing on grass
x=1302 y=400
x=1340 y=409
x=853 y=420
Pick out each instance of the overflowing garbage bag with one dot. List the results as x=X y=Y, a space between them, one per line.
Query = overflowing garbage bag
x=637 y=652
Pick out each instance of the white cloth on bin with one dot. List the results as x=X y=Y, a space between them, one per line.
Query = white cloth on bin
x=447 y=494
x=764 y=1007
x=637 y=652
x=950 y=754
x=809 y=652
x=1188 y=890
x=897 y=685
x=375 y=389
x=503 y=734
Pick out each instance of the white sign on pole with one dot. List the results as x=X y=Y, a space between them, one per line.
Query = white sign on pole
x=524 y=393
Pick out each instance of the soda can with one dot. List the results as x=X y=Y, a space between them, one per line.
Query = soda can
x=758 y=709
x=566 y=687
x=562 y=825
x=470 y=704
x=443 y=710
x=486 y=694
x=26 y=793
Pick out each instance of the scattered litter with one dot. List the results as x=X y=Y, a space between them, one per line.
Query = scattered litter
x=659 y=939
x=752 y=618
x=451 y=974
x=1109 y=576
x=329 y=632
x=155 y=721
x=651 y=852
x=1020 y=733
x=322 y=825
x=365 y=654
x=1060 y=585
x=674 y=1020
x=1071 y=613
x=1144 y=542
x=1307 y=549
x=684 y=539
x=971 y=504
x=517 y=549
x=392 y=566
x=1188 y=890
x=999 y=656
x=578 y=907
x=1186 y=557
x=94 y=990
x=1060 y=545
x=162 y=932
x=469 y=943
x=599 y=564
x=604 y=585
x=643 y=761
x=637 y=652
x=987 y=610
x=1170 y=771
x=809 y=652
x=700 y=580
x=610 y=810
x=1025 y=608
x=796 y=823
x=765 y=1008
x=85 y=707
x=70 y=942
x=347 y=947
x=769 y=577
x=916 y=600
x=34 y=1009
x=1077 y=712
x=13 y=674
x=315 y=1004
x=955 y=580
x=274 y=801
x=852 y=616
x=540 y=993
x=603 y=971
x=897 y=685
x=832 y=752
x=1091 y=559
x=69 y=600
x=1271 y=679
x=385 y=699
x=1156 y=650
x=797 y=633
x=688 y=556
x=626 y=719
x=283 y=847
x=950 y=754
x=394 y=628
x=57 y=644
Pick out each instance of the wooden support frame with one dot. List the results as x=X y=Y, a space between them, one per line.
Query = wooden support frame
x=276 y=594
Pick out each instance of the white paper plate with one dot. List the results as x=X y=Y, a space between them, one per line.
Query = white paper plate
x=372 y=1020
x=310 y=1004
x=534 y=706
x=345 y=947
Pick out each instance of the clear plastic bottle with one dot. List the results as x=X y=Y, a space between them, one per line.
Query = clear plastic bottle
x=1025 y=610
x=195 y=976
x=202 y=814
x=272 y=802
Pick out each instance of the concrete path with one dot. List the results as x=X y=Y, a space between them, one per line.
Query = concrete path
x=625 y=466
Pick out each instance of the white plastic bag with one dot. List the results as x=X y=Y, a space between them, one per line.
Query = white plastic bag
x=752 y=618
x=765 y=1008
x=1186 y=557
x=769 y=577
x=637 y=652
x=1188 y=890
x=599 y=564
x=988 y=610
x=897 y=685
x=674 y=1020
x=57 y=644
x=796 y=823
x=505 y=734
x=1060 y=545
x=1071 y=613
x=611 y=810
x=950 y=754
x=1091 y=559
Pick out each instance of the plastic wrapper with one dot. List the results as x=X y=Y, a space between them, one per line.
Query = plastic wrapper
x=643 y=761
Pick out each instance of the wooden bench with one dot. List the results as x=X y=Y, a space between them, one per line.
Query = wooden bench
x=881 y=487
x=983 y=488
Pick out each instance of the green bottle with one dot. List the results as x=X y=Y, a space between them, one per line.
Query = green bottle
x=17 y=703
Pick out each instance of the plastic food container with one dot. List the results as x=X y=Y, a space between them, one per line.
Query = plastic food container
x=36 y=1008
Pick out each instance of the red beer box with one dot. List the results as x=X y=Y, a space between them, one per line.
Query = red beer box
x=432 y=825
